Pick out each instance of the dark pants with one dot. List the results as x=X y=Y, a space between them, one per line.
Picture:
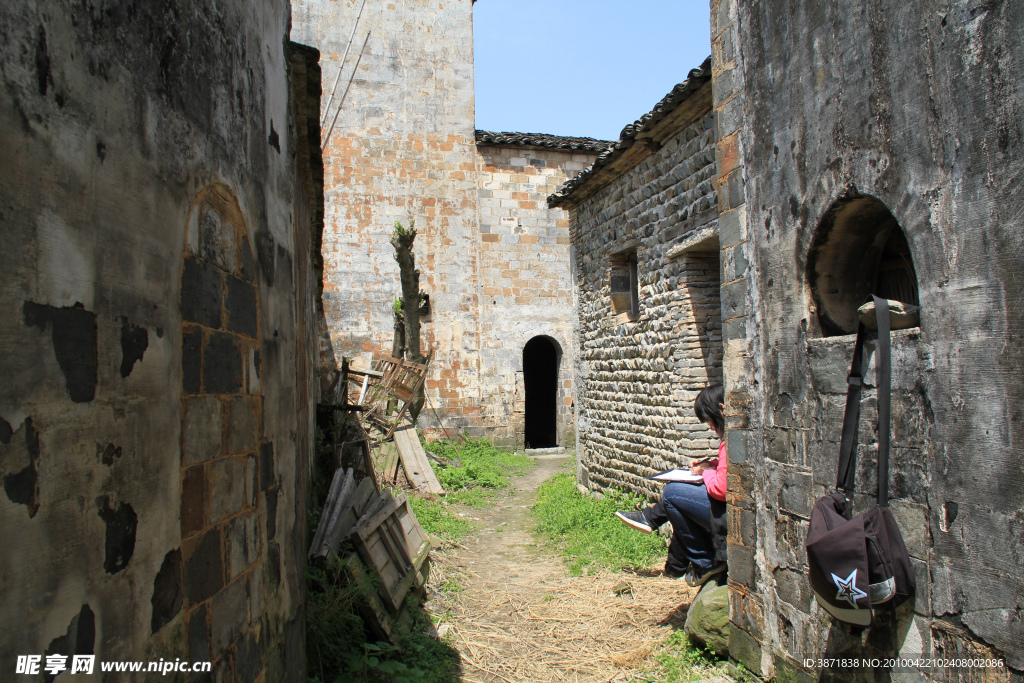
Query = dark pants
x=688 y=507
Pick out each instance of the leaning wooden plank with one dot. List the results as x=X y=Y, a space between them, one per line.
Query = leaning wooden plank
x=325 y=516
x=404 y=438
x=354 y=509
x=373 y=520
x=340 y=502
x=432 y=485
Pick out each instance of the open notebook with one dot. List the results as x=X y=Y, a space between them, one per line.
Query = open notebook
x=683 y=475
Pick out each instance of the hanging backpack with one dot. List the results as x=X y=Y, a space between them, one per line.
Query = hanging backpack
x=857 y=562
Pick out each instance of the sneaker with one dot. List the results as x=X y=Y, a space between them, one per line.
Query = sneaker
x=635 y=520
x=694 y=578
x=673 y=574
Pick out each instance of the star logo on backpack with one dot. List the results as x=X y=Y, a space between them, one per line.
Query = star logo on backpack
x=848 y=589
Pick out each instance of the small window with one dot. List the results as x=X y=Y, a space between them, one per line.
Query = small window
x=624 y=285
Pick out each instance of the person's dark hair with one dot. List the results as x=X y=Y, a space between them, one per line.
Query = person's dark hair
x=706 y=406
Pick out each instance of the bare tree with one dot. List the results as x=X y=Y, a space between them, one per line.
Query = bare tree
x=402 y=240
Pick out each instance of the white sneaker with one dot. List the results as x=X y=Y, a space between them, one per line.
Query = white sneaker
x=635 y=520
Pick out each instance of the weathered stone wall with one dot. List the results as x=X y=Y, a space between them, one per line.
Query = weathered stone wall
x=912 y=104
x=154 y=499
x=637 y=379
x=404 y=148
x=524 y=279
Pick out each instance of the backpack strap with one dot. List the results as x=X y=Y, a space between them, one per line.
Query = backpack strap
x=848 y=442
x=851 y=417
x=883 y=370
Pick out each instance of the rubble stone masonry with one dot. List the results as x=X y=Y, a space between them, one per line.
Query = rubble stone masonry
x=638 y=372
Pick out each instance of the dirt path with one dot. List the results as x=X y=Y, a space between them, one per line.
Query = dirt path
x=521 y=617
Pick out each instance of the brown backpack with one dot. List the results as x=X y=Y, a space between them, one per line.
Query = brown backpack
x=857 y=562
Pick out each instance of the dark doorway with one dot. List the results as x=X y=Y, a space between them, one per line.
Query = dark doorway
x=540 y=377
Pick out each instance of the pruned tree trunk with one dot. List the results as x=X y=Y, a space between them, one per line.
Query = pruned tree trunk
x=402 y=240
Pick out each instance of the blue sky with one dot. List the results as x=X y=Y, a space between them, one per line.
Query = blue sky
x=581 y=67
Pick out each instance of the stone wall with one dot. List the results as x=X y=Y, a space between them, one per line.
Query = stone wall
x=638 y=372
x=493 y=259
x=152 y=447
x=524 y=279
x=909 y=107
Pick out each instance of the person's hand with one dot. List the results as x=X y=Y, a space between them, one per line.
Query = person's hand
x=701 y=466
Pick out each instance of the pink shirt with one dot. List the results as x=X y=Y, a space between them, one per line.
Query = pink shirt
x=715 y=479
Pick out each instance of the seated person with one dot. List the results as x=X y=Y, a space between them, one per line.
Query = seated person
x=696 y=552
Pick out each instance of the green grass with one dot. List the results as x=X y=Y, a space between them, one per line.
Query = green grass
x=477 y=470
x=586 y=529
x=434 y=517
x=681 y=662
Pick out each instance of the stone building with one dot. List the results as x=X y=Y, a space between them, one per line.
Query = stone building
x=859 y=143
x=494 y=259
x=646 y=269
x=850 y=158
x=159 y=198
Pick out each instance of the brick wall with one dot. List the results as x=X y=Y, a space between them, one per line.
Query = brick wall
x=404 y=149
x=524 y=279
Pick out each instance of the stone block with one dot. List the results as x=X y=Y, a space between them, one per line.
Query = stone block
x=222 y=365
x=226 y=482
x=746 y=650
x=267 y=475
x=732 y=227
x=203 y=571
x=788 y=671
x=271 y=513
x=240 y=305
x=736 y=445
x=742 y=566
x=792 y=587
x=201 y=429
x=217 y=239
x=241 y=428
x=734 y=299
x=794 y=491
x=229 y=614
x=191 y=359
x=735 y=183
x=201 y=293
x=707 y=619
x=199 y=635
x=193 y=501
x=248 y=658
x=243 y=539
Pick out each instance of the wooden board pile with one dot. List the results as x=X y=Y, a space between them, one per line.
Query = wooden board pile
x=381 y=545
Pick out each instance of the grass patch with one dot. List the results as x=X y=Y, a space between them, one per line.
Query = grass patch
x=477 y=470
x=681 y=662
x=587 y=531
x=434 y=517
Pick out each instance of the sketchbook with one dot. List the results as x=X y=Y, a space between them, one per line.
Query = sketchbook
x=683 y=475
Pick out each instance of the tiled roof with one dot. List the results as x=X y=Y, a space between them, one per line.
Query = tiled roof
x=679 y=94
x=486 y=137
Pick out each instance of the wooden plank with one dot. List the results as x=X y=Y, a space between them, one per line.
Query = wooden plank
x=374 y=613
x=348 y=488
x=325 y=516
x=425 y=468
x=382 y=541
x=410 y=463
x=355 y=508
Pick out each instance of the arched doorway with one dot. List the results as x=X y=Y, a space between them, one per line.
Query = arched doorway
x=541 y=357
